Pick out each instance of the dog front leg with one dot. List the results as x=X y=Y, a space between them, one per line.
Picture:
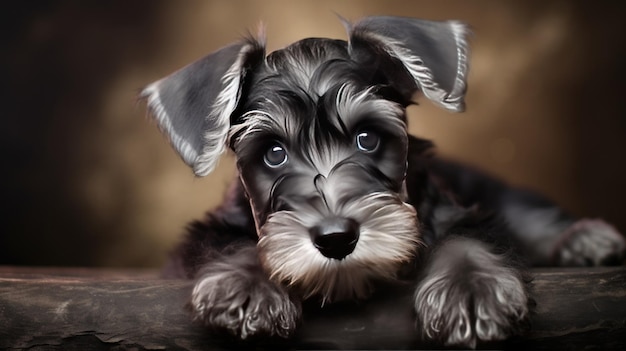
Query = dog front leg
x=470 y=294
x=233 y=293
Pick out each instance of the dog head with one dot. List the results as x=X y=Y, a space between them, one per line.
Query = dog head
x=320 y=136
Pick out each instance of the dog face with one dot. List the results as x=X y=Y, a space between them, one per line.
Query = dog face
x=319 y=132
x=322 y=156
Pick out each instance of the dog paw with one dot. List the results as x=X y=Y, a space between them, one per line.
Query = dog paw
x=590 y=243
x=243 y=304
x=480 y=306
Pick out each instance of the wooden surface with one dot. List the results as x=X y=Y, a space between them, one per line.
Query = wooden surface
x=85 y=309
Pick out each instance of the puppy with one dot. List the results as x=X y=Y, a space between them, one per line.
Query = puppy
x=335 y=200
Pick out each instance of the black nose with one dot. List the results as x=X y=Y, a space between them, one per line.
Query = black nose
x=335 y=237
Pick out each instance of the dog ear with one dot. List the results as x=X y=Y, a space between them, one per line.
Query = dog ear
x=193 y=105
x=415 y=55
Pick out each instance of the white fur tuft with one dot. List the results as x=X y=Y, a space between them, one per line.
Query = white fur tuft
x=388 y=238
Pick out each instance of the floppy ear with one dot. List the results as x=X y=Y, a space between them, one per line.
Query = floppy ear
x=415 y=55
x=193 y=105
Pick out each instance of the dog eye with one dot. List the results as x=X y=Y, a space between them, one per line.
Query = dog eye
x=275 y=156
x=367 y=141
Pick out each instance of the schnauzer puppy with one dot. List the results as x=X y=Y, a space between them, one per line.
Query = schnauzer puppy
x=334 y=199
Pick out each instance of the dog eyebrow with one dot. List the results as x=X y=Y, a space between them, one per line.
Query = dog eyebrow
x=253 y=122
x=353 y=106
x=348 y=100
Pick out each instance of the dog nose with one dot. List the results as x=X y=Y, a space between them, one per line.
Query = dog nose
x=336 y=237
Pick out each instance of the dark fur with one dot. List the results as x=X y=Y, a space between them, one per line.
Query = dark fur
x=461 y=236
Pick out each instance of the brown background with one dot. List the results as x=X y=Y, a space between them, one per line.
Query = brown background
x=86 y=179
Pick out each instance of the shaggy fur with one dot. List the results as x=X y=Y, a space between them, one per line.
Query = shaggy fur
x=335 y=200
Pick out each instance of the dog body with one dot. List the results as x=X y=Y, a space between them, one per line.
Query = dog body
x=335 y=200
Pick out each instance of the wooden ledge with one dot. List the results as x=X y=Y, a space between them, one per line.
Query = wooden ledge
x=93 y=309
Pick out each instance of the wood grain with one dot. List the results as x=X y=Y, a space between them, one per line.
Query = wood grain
x=90 y=309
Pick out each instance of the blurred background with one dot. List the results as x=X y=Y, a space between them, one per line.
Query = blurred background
x=88 y=180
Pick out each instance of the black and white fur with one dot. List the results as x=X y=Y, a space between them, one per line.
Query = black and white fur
x=334 y=199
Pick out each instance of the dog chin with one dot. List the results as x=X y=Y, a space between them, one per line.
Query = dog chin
x=388 y=238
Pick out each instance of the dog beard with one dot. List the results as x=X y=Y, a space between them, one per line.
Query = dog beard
x=389 y=237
